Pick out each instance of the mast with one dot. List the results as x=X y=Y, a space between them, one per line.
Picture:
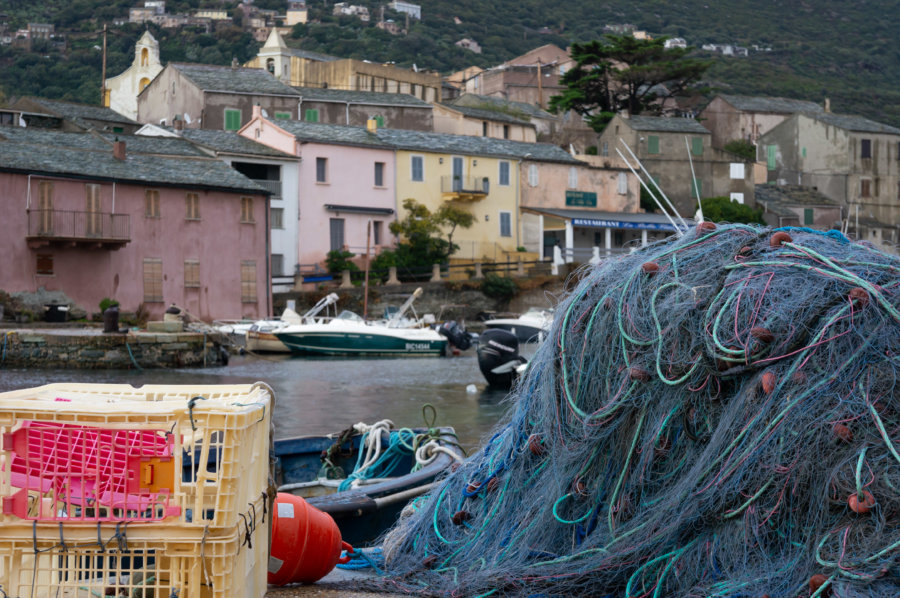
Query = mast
x=103 y=71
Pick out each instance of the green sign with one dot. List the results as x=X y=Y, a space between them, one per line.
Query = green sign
x=584 y=199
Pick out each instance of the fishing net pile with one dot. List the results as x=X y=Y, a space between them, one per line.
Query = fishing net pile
x=713 y=415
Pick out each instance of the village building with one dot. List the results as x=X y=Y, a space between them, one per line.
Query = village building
x=793 y=205
x=341 y=107
x=679 y=156
x=850 y=159
x=154 y=222
x=122 y=90
x=214 y=97
x=463 y=120
x=71 y=116
x=746 y=118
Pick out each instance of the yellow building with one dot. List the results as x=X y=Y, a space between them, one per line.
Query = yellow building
x=478 y=174
x=300 y=68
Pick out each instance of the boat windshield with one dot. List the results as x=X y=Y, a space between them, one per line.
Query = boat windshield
x=349 y=315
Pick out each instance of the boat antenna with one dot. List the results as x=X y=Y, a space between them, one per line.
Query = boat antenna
x=366 y=283
x=694 y=178
x=650 y=191
x=669 y=203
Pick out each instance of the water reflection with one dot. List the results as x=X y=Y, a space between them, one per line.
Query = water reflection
x=321 y=395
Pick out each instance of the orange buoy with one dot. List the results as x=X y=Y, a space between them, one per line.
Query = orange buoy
x=493 y=484
x=706 y=227
x=779 y=239
x=306 y=543
x=650 y=267
x=636 y=373
x=816 y=582
x=858 y=297
x=762 y=334
x=768 y=382
x=536 y=445
x=861 y=504
x=843 y=433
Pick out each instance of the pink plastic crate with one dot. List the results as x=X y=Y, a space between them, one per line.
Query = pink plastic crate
x=90 y=474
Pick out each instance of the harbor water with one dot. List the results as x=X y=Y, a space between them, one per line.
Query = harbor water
x=317 y=396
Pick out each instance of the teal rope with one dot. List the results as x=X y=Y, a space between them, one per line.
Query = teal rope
x=131 y=355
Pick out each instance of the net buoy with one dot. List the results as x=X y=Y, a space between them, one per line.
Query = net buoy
x=306 y=543
x=779 y=239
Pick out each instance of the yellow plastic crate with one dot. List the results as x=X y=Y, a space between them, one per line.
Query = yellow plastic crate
x=137 y=561
x=163 y=454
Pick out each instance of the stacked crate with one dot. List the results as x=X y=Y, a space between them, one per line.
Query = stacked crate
x=156 y=491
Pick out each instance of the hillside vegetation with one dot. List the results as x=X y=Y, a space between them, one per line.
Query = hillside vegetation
x=819 y=48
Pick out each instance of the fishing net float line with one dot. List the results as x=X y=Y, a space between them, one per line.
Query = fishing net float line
x=713 y=415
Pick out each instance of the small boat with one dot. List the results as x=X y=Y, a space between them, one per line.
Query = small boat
x=499 y=359
x=260 y=336
x=362 y=506
x=530 y=327
x=349 y=334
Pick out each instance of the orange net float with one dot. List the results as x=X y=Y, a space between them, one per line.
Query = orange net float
x=535 y=445
x=858 y=297
x=762 y=334
x=816 y=582
x=706 y=227
x=779 y=239
x=768 y=382
x=650 y=268
x=861 y=503
x=639 y=374
x=843 y=433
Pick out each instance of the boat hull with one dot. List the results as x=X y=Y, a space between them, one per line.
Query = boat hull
x=264 y=342
x=361 y=343
x=524 y=332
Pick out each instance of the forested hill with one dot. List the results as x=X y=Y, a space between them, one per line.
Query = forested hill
x=819 y=48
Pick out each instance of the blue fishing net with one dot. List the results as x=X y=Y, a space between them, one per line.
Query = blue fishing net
x=713 y=415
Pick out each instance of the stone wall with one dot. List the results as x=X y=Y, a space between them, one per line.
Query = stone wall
x=71 y=350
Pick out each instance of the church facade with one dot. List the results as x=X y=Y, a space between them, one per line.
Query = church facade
x=122 y=90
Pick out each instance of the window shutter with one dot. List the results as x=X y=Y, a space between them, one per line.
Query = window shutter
x=653 y=144
x=770 y=156
x=697 y=146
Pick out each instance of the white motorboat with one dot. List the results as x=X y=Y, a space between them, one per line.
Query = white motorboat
x=530 y=327
x=260 y=336
x=349 y=334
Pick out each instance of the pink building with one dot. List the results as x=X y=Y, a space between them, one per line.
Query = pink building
x=145 y=221
x=346 y=179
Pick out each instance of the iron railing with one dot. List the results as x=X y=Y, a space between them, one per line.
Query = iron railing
x=274 y=187
x=468 y=185
x=67 y=225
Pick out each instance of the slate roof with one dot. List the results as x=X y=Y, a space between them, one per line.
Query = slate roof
x=233 y=80
x=482 y=114
x=663 y=124
x=229 y=142
x=77 y=112
x=473 y=100
x=86 y=155
x=773 y=105
x=312 y=55
x=792 y=194
x=399 y=139
x=854 y=123
x=375 y=98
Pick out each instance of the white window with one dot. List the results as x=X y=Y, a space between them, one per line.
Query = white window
x=738 y=197
x=505 y=224
x=533 y=175
x=737 y=170
x=623 y=183
x=417 y=168
x=504 y=173
x=573 y=177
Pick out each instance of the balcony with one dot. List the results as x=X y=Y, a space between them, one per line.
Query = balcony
x=464 y=188
x=274 y=187
x=61 y=227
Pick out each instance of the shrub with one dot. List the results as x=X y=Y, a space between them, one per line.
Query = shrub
x=106 y=303
x=742 y=148
x=498 y=287
x=338 y=260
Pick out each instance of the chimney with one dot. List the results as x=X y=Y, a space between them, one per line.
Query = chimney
x=119 y=149
x=257 y=111
x=371 y=125
x=827 y=105
x=178 y=125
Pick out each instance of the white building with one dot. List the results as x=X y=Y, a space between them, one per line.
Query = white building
x=122 y=90
x=413 y=10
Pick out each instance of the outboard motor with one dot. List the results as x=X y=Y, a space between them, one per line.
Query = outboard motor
x=498 y=357
x=456 y=334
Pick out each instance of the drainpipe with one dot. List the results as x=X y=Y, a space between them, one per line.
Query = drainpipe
x=347 y=112
x=28 y=194
x=268 y=205
x=518 y=219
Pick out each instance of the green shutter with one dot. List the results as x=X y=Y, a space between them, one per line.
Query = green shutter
x=379 y=120
x=232 y=119
x=282 y=116
x=311 y=116
x=770 y=156
x=807 y=216
x=698 y=188
x=697 y=146
x=653 y=144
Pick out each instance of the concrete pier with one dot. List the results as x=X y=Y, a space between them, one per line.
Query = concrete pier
x=90 y=348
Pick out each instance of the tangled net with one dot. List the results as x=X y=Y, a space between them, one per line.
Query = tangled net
x=711 y=416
